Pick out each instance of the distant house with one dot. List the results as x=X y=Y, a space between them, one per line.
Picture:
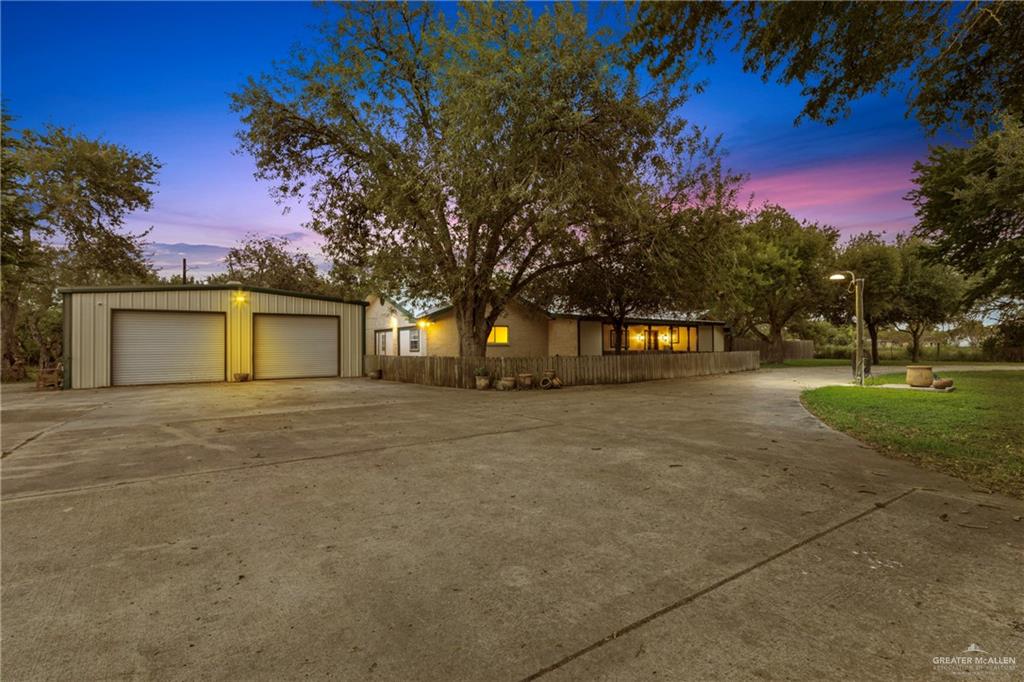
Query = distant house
x=522 y=330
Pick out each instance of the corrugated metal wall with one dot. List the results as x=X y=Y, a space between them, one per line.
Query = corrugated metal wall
x=90 y=325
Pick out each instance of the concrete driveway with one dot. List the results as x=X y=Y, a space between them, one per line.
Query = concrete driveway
x=696 y=529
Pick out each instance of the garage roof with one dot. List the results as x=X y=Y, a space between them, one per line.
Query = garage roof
x=205 y=287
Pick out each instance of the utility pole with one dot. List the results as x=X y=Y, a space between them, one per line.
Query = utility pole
x=184 y=271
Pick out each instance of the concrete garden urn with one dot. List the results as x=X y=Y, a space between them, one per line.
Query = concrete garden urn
x=483 y=383
x=920 y=376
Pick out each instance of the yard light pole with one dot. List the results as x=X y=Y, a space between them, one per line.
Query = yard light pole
x=857 y=286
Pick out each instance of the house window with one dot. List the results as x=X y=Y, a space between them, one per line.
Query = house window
x=637 y=335
x=414 y=340
x=498 y=336
x=613 y=338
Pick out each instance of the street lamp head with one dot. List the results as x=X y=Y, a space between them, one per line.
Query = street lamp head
x=838 y=277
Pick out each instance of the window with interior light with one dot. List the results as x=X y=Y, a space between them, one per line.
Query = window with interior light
x=498 y=336
x=637 y=335
x=414 y=340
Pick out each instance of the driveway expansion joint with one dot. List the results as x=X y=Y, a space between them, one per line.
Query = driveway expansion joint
x=260 y=465
x=665 y=610
x=50 y=429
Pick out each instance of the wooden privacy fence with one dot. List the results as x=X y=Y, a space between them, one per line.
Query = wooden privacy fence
x=798 y=349
x=573 y=371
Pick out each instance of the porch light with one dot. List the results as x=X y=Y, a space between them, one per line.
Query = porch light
x=838 y=277
x=423 y=324
x=239 y=297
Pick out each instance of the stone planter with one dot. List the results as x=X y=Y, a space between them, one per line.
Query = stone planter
x=507 y=384
x=920 y=376
x=525 y=380
x=483 y=383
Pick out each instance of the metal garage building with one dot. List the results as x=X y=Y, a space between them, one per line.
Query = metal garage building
x=119 y=336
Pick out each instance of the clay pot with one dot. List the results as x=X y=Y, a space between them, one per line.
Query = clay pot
x=920 y=376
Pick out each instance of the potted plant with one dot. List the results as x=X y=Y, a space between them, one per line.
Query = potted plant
x=483 y=378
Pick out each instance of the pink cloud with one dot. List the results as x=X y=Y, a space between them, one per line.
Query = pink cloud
x=853 y=195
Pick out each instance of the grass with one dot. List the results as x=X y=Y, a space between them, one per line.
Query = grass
x=840 y=362
x=975 y=432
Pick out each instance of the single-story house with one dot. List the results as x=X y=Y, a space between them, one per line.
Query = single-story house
x=524 y=330
x=117 y=336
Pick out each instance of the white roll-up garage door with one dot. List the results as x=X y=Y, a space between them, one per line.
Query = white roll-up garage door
x=166 y=347
x=294 y=346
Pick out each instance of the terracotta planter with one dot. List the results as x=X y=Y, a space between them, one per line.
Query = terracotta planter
x=525 y=380
x=920 y=376
x=483 y=383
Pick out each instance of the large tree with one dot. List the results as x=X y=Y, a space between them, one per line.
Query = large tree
x=960 y=62
x=65 y=200
x=878 y=264
x=970 y=207
x=269 y=262
x=929 y=294
x=780 y=275
x=465 y=158
x=677 y=266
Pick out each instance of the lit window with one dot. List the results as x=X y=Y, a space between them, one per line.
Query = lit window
x=637 y=336
x=414 y=340
x=498 y=336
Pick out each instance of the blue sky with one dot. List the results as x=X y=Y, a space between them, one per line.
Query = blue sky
x=156 y=77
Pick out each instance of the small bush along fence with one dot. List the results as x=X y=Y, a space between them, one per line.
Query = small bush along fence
x=573 y=371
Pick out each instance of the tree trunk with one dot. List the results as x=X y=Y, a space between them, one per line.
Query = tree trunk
x=13 y=368
x=915 y=343
x=776 y=348
x=873 y=333
x=619 y=324
x=474 y=324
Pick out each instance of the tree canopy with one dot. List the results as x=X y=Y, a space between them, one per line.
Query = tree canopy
x=469 y=158
x=878 y=264
x=268 y=262
x=65 y=200
x=929 y=294
x=962 y=61
x=970 y=207
x=780 y=274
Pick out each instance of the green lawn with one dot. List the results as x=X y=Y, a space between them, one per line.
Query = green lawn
x=976 y=432
x=885 y=362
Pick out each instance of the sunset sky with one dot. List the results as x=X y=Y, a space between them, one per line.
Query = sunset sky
x=156 y=77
